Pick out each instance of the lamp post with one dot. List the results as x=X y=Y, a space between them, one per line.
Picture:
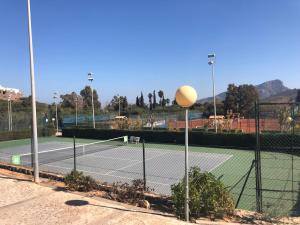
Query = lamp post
x=186 y=96
x=211 y=62
x=76 y=105
x=119 y=105
x=90 y=78
x=55 y=96
x=33 y=101
x=9 y=111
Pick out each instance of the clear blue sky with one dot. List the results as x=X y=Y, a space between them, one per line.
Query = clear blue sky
x=138 y=45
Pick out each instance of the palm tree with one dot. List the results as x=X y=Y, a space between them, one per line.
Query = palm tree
x=161 y=96
x=150 y=101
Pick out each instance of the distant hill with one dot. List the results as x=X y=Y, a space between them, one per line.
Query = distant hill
x=284 y=96
x=266 y=91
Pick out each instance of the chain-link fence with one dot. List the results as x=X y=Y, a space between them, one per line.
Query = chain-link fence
x=278 y=158
x=158 y=165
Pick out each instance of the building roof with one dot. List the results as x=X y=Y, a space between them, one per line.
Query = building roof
x=17 y=91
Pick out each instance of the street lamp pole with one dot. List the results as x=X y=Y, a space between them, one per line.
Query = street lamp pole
x=90 y=78
x=211 y=62
x=119 y=105
x=76 y=102
x=56 y=115
x=33 y=101
x=8 y=112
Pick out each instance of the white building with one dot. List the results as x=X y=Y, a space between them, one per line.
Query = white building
x=13 y=93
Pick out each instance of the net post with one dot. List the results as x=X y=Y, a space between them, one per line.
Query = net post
x=74 y=147
x=144 y=166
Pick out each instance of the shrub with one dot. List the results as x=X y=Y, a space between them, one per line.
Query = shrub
x=76 y=181
x=125 y=192
x=207 y=195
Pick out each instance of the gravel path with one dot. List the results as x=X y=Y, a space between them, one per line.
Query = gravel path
x=23 y=202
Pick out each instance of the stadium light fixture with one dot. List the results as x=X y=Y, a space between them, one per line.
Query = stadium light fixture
x=90 y=78
x=55 y=96
x=211 y=62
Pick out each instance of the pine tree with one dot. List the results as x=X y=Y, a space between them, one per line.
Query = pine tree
x=142 y=103
x=150 y=101
x=137 y=101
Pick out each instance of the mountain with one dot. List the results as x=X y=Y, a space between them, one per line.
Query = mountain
x=265 y=90
x=270 y=88
x=284 y=96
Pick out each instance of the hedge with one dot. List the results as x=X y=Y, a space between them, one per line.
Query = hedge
x=14 y=135
x=232 y=140
x=269 y=142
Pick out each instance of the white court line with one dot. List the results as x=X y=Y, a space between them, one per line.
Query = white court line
x=219 y=164
x=106 y=157
x=101 y=174
x=133 y=164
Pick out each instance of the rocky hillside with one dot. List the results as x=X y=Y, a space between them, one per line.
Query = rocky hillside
x=273 y=90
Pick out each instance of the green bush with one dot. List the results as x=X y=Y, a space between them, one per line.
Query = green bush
x=207 y=195
x=76 y=181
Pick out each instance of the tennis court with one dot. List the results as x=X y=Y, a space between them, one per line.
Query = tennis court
x=113 y=160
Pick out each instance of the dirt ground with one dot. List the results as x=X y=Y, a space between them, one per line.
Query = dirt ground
x=24 y=202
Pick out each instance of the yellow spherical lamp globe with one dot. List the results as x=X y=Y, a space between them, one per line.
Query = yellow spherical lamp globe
x=186 y=96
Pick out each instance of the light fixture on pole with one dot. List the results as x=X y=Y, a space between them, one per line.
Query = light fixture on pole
x=33 y=100
x=76 y=105
x=55 y=96
x=186 y=96
x=9 y=113
x=90 y=78
x=211 y=62
x=119 y=105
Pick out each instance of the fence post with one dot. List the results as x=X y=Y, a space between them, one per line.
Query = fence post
x=144 y=166
x=257 y=160
x=74 y=148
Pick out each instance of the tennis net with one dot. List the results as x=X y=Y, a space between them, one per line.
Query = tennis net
x=59 y=154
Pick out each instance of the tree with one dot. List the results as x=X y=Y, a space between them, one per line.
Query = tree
x=137 y=101
x=142 y=103
x=68 y=100
x=124 y=104
x=86 y=94
x=298 y=96
x=232 y=98
x=118 y=101
x=154 y=100
x=247 y=95
x=150 y=101
x=161 y=97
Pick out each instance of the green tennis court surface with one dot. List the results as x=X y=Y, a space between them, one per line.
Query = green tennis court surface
x=115 y=161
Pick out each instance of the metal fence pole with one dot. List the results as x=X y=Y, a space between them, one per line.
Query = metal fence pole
x=144 y=166
x=257 y=161
x=292 y=155
x=74 y=147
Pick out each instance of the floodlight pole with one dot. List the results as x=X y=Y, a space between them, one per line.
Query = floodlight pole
x=90 y=78
x=186 y=166
x=33 y=101
x=76 y=102
x=56 y=115
x=8 y=113
x=211 y=62
x=10 y=110
x=119 y=105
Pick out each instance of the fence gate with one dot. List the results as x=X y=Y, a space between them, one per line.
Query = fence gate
x=278 y=158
